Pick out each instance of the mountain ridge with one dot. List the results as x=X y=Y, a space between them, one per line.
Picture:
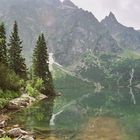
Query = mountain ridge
x=71 y=31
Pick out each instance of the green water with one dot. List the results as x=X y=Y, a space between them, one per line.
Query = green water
x=66 y=117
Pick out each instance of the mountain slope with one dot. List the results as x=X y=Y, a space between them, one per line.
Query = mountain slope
x=70 y=31
x=127 y=37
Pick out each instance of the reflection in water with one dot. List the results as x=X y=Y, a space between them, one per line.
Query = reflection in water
x=35 y=117
x=107 y=103
x=65 y=107
x=54 y=116
x=132 y=95
x=69 y=117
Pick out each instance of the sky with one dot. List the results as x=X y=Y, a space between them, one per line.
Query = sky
x=126 y=11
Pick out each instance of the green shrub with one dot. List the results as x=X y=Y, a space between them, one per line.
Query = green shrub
x=31 y=91
x=8 y=94
x=34 y=87
x=38 y=84
x=3 y=102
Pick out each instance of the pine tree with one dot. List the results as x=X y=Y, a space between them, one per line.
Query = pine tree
x=41 y=65
x=16 y=61
x=3 y=47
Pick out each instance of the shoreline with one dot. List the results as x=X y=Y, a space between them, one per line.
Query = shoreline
x=17 y=104
x=21 y=102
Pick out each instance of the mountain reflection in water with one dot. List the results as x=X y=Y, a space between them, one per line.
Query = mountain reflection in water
x=105 y=115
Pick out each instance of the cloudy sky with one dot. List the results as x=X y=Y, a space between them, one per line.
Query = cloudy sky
x=126 y=11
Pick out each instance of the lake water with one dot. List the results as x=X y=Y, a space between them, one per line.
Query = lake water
x=84 y=114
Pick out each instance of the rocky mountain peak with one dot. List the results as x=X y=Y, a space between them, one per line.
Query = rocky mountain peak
x=126 y=37
x=111 y=23
x=111 y=15
x=110 y=18
x=71 y=31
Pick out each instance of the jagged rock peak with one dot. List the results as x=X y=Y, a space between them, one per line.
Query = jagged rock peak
x=68 y=3
x=111 y=17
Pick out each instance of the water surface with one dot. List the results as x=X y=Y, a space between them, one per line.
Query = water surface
x=83 y=114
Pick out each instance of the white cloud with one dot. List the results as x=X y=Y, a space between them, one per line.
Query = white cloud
x=126 y=11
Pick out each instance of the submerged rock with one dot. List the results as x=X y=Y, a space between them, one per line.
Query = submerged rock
x=16 y=132
x=2 y=133
x=59 y=94
x=26 y=137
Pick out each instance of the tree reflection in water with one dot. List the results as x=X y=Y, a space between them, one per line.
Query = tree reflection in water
x=36 y=117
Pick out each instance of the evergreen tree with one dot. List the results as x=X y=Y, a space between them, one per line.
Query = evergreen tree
x=41 y=65
x=16 y=61
x=3 y=47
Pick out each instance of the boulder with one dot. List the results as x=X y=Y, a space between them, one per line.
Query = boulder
x=24 y=101
x=3 y=124
x=27 y=98
x=13 y=107
x=42 y=96
x=16 y=132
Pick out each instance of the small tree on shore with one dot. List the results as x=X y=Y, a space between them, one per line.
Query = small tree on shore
x=41 y=65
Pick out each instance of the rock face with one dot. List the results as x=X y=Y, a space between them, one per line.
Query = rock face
x=127 y=37
x=71 y=31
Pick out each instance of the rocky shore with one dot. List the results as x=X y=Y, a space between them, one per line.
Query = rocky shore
x=22 y=102
x=15 y=132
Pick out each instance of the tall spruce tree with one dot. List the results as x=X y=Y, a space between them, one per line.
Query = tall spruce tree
x=41 y=65
x=16 y=61
x=3 y=47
